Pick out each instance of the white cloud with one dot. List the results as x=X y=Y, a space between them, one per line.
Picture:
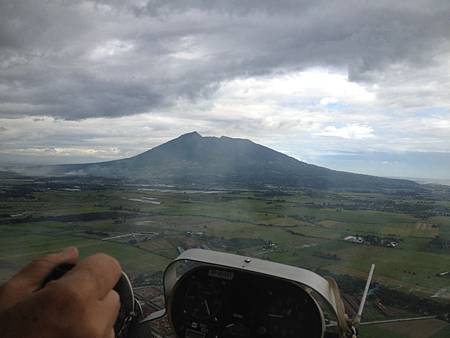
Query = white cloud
x=106 y=153
x=328 y=100
x=110 y=49
x=352 y=131
x=313 y=85
x=189 y=48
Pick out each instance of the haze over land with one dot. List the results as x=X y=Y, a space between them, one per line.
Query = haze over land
x=351 y=85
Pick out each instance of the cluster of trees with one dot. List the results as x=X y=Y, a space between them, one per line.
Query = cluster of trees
x=439 y=243
x=418 y=209
x=327 y=255
x=413 y=303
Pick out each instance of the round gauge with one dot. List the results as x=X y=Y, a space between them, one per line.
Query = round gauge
x=292 y=313
x=203 y=299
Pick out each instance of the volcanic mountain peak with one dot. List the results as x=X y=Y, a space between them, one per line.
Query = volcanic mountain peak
x=228 y=162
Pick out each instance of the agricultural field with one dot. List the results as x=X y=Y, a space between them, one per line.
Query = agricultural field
x=334 y=233
x=431 y=328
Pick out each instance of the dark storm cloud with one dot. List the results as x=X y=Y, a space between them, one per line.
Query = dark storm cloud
x=84 y=59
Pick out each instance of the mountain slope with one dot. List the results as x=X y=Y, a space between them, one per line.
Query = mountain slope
x=192 y=158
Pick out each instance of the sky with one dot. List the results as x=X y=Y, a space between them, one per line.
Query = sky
x=361 y=86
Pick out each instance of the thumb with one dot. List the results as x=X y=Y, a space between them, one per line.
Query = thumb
x=31 y=277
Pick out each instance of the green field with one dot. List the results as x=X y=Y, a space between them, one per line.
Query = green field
x=302 y=228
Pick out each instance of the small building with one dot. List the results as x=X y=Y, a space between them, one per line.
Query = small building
x=354 y=239
x=392 y=244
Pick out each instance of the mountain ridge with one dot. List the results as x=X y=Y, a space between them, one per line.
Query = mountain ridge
x=224 y=161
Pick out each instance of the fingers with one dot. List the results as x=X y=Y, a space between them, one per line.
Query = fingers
x=95 y=276
x=84 y=296
x=109 y=310
x=31 y=277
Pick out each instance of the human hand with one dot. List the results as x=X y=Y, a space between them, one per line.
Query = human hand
x=82 y=303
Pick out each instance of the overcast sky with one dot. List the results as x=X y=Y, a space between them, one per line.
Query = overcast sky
x=353 y=85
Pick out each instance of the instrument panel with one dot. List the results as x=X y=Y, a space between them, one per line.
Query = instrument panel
x=219 y=302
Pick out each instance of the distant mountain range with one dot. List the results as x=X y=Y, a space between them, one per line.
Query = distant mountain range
x=227 y=162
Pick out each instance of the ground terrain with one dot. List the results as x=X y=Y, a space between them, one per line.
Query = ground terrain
x=305 y=228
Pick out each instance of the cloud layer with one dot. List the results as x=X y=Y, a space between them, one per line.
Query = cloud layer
x=86 y=59
x=306 y=77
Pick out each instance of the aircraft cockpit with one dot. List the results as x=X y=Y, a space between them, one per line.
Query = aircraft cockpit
x=211 y=294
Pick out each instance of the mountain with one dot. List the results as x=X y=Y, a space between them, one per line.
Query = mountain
x=212 y=161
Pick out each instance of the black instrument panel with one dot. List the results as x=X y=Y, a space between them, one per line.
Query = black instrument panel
x=213 y=302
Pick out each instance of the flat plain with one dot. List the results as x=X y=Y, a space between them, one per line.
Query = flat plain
x=331 y=232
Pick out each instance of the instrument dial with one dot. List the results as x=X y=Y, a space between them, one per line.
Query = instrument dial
x=203 y=300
